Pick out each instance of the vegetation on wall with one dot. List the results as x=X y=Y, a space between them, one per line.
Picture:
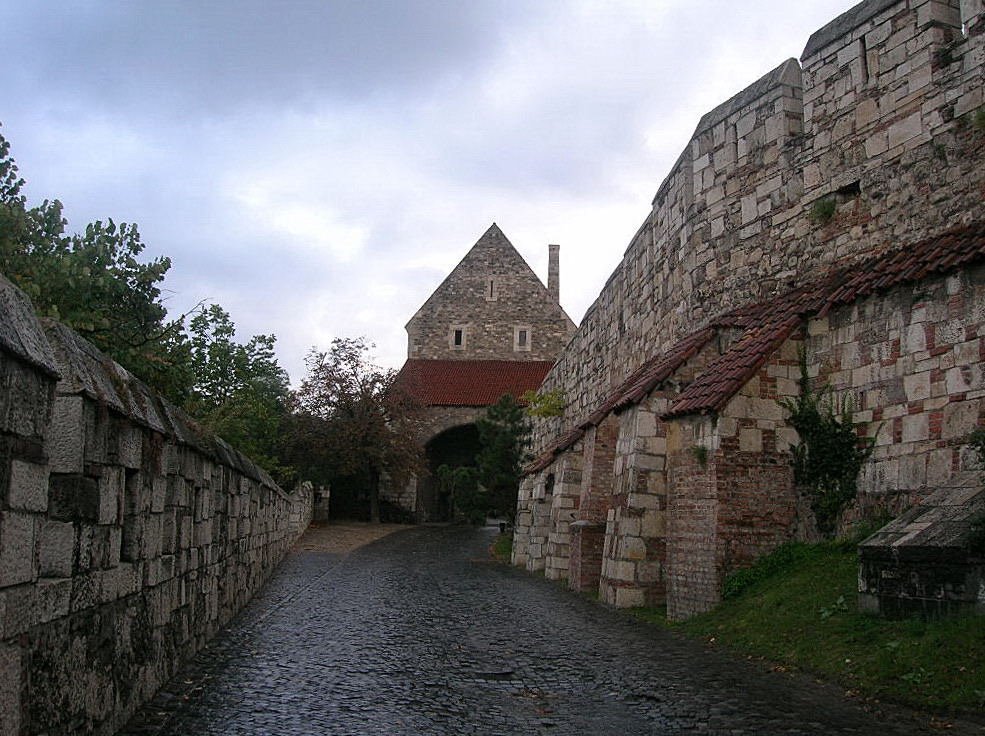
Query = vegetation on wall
x=823 y=210
x=829 y=454
x=544 y=404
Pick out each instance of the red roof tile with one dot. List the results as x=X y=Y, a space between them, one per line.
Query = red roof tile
x=469 y=382
x=768 y=324
x=842 y=285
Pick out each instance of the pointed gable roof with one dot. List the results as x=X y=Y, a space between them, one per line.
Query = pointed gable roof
x=493 y=247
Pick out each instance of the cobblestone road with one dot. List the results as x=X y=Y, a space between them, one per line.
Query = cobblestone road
x=417 y=634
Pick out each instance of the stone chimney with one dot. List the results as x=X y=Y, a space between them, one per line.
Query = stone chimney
x=554 y=272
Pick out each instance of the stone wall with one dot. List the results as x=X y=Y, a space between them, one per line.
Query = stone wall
x=871 y=146
x=895 y=149
x=488 y=297
x=127 y=537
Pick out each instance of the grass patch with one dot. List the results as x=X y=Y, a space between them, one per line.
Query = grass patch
x=799 y=607
x=502 y=548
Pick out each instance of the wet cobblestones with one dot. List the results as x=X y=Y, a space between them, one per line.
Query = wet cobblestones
x=417 y=634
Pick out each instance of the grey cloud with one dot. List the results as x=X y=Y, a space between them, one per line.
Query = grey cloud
x=215 y=55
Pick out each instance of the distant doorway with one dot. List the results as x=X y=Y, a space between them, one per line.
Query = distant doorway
x=455 y=447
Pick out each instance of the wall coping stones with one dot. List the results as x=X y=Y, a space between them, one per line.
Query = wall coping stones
x=844 y=24
x=84 y=370
x=20 y=331
x=787 y=73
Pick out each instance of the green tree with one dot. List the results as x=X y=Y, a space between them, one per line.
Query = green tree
x=94 y=283
x=348 y=422
x=504 y=438
x=240 y=391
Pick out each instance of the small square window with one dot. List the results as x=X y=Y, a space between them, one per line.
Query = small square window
x=521 y=338
x=457 y=337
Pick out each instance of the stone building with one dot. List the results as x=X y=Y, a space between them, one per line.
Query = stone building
x=490 y=328
x=832 y=212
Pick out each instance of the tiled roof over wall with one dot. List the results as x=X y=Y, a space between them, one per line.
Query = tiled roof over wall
x=768 y=324
x=469 y=382
x=778 y=319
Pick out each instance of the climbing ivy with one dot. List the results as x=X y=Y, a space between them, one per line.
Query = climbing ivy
x=829 y=455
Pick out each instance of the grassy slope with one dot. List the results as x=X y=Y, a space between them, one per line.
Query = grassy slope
x=801 y=611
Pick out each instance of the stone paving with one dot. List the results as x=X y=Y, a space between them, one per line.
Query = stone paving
x=417 y=633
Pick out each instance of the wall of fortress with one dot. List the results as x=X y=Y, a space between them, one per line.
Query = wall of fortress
x=127 y=536
x=870 y=148
x=878 y=116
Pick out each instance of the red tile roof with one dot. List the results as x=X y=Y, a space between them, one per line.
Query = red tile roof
x=469 y=382
x=842 y=285
x=768 y=324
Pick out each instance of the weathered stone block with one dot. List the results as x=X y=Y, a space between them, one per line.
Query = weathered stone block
x=960 y=419
x=12 y=685
x=18 y=610
x=56 y=549
x=17 y=548
x=54 y=598
x=110 y=495
x=28 y=489
x=66 y=438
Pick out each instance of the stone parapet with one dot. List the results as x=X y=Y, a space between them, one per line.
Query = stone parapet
x=128 y=536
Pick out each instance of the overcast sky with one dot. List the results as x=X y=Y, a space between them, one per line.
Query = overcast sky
x=318 y=167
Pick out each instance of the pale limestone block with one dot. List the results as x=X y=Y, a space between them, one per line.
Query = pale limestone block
x=630 y=527
x=750 y=440
x=903 y=130
x=812 y=176
x=916 y=428
x=28 y=486
x=625 y=571
x=56 y=549
x=876 y=145
x=745 y=125
x=967 y=353
x=66 y=440
x=727 y=426
x=956 y=381
x=654 y=524
x=960 y=419
x=750 y=209
x=938 y=13
x=917 y=386
x=646 y=424
x=634 y=548
x=629 y=598
x=912 y=471
x=866 y=113
x=939 y=466
x=11 y=687
x=17 y=548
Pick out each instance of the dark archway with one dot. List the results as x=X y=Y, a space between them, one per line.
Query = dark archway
x=455 y=447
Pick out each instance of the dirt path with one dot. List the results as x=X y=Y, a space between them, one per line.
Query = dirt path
x=344 y=536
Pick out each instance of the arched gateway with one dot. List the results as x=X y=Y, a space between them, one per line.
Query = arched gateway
x=490 y=328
